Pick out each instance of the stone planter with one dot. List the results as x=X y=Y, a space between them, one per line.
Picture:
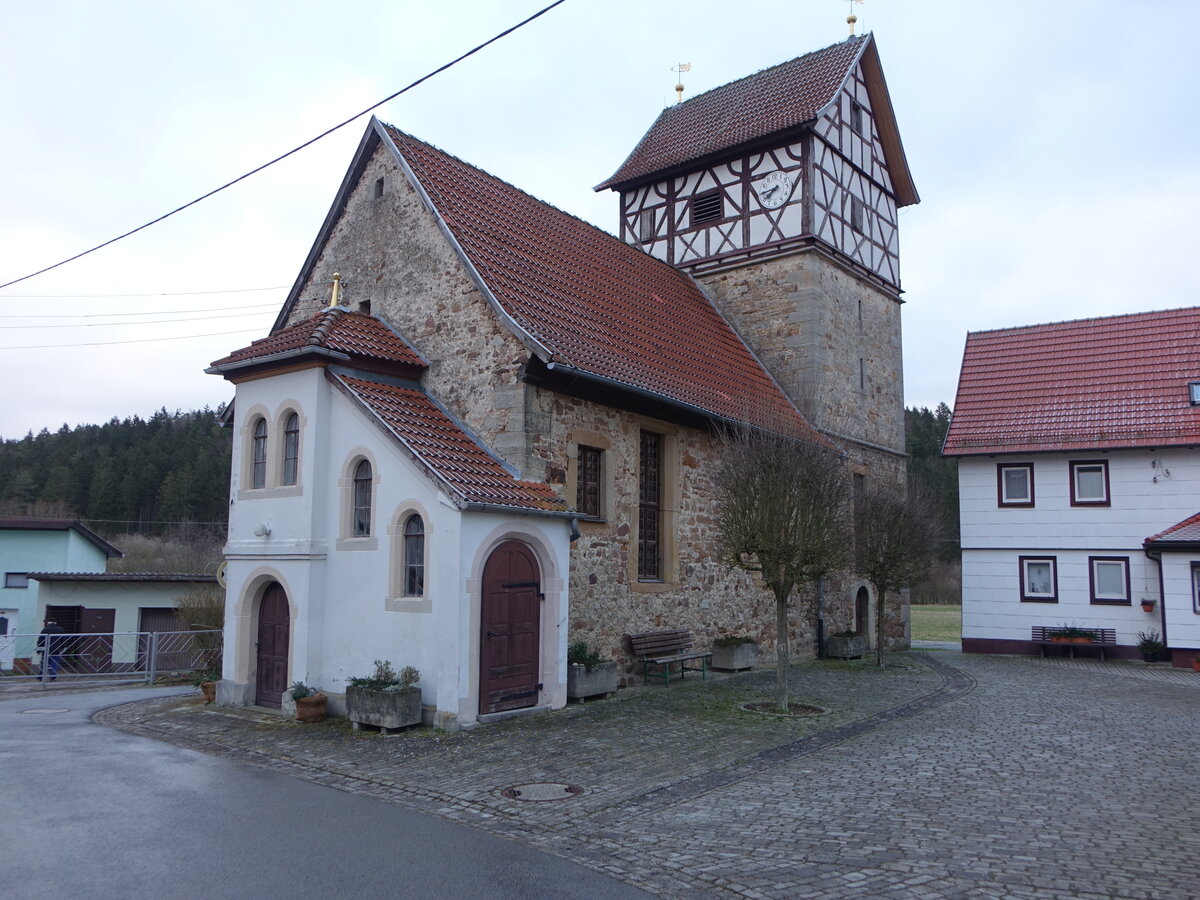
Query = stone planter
x=383 y=709
x=735 y=658
x=851 y=647
x=312 y=709
x=602 y=680
x=209 y=690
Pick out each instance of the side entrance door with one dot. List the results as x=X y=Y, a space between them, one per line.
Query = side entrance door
x=273 y=626
x=509 y=629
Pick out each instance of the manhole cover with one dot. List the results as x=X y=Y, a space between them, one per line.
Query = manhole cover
x=541 y=791
x=43 y=712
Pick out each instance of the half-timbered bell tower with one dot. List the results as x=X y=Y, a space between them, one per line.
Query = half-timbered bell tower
x=779 y=193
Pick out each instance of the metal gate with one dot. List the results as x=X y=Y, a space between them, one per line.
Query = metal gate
x=107 y=657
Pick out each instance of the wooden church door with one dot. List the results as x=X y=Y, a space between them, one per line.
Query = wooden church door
x=274 y=623
x=509 y=629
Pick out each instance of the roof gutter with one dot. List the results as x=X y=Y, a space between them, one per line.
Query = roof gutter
x=275 y=358
x=476 y=506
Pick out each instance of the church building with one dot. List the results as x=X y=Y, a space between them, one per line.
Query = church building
x=483 y=429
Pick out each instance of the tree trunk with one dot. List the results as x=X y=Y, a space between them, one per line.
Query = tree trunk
x=781 y=652
x=879 y=626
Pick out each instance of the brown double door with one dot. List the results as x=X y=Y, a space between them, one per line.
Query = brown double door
x=509 y=629
x=273 y=627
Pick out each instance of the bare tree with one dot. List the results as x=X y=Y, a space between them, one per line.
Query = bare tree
x=783 y=514
x=898 y=537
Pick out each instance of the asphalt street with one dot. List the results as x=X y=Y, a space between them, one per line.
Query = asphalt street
x=88 y=811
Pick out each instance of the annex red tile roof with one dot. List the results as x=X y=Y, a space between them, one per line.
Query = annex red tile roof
x=1185 y=532
x=336 y=328
x=441 y=445
x=1120 y=381
x=759 y=105
x=596 y=303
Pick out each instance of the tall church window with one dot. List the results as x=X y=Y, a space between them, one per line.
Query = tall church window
x=650 y=507
x=258 y=466
x=291 y=448
x=587 y=494
x=414 y=556
x=362 y=499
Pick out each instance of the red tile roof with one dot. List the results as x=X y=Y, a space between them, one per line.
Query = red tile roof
x=1185 y=532
x=759 y=105
x=449 y=452
x=597 y=304
x=1120 y=381
x=336 y=328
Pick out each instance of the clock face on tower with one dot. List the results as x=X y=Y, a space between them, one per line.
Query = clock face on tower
x=773 y=190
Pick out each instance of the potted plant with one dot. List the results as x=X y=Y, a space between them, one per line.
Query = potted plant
x=1147 y=604
x=734 y=652
x=386 y=699
x=587 y=674
x=1196 y=663
x=311 y=704
x=845 y=645
x=1150 y=645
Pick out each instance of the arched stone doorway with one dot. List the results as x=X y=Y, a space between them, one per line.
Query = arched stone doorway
x=862 y=616
x=274 y=628
x=509 y=629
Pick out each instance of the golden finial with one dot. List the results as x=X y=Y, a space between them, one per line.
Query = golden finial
x=852 y=18
x=680 y=68
x=337 y=289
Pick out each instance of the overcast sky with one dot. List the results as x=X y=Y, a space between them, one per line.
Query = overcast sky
x=1054 y=146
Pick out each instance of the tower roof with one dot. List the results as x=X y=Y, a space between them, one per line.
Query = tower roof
x=762 y=106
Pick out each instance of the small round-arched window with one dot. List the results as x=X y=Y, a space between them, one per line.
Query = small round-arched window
x=258 y=468
x=362 y=499
x=291 y=448
x=414 y=557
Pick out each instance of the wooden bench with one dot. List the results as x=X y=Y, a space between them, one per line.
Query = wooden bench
x=1102 y=638
x=662 y=648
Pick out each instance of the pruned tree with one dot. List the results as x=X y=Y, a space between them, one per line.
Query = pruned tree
x=898 y=537
x=784 y=513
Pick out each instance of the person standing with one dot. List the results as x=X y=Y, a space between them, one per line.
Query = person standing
x=52 y=647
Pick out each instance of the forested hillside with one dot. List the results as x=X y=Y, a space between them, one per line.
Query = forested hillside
x=924 y=432
x=126 y=475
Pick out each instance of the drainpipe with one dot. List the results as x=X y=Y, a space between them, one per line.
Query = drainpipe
x=1156 y=555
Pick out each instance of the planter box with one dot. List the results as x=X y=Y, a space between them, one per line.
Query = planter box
x=312 y=709
x=603 y=679
x=383 y=709
x=845 y=647
x=735 y=658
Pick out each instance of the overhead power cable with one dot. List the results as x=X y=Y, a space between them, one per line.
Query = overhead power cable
x=294 y=150
x=153 y=312
x=181 y=337
x=118 y=296
x=135 y=324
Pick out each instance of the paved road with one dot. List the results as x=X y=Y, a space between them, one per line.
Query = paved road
x=87 y=811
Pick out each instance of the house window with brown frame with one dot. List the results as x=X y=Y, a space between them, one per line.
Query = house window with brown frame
x=649 y=539
x=1109 y=580
x=588 y=487
x=1089 y=482
x=1014 y=484
x=1039 y=579
x=708 y=207
x=1196 y=588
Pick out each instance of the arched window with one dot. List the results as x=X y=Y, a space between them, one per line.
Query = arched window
x=362 y=499
x=258 y=468
x=291 y=448
x=414 y=557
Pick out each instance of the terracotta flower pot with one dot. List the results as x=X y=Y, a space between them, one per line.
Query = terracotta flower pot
x=312 y=709
x=1147 y=607
x=209 y=690
x=1196 y=665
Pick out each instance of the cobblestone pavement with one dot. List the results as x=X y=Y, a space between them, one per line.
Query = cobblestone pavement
x=941 y=776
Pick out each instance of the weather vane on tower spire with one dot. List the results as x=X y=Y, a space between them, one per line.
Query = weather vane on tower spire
x=680 y=68
x=852 y=18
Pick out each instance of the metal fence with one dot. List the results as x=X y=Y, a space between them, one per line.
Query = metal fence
x=120 y=656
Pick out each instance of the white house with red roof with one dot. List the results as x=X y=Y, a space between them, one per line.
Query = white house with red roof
x=482 y=428
x=1079 y=481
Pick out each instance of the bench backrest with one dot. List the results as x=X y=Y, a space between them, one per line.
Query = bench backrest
x=658 y=643
x=1048 y=632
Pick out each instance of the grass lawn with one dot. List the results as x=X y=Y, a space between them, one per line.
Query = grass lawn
x=936 y=623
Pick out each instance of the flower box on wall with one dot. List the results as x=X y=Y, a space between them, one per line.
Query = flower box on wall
x=850 y=646
x=601 y=679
